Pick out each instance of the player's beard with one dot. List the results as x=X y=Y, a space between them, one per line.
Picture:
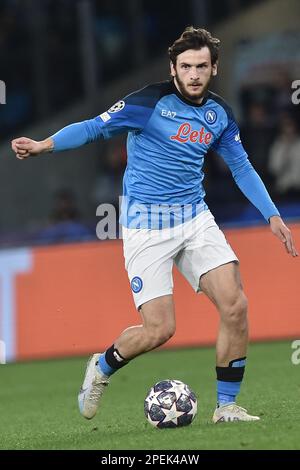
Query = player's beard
x=185 y=92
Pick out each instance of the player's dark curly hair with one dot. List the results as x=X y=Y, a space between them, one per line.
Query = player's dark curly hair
x=195 y=38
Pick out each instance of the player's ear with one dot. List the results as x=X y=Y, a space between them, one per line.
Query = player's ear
x=172 y=69
x=215 y=69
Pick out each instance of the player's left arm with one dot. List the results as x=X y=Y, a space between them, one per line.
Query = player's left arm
x=229 y=146
x=284 y=234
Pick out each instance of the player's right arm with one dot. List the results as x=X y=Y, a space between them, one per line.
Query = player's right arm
x=24 y=147
x=70 y=137
x=130 y=114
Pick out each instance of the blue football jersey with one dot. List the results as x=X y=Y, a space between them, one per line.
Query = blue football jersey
x=168 y=138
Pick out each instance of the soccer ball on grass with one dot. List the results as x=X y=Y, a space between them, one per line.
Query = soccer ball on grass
x=170 y=404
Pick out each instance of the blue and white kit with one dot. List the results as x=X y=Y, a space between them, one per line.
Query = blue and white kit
x=168 y=138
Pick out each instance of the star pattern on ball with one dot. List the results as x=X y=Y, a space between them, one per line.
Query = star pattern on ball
x=193 y=411
x=153 y=400
x=170 y=403
x=177 y=388
x=172 y=415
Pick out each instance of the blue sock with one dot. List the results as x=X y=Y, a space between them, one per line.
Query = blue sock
x=229 y=380
x=227 y=392
x=111 y=361
x=103 y=367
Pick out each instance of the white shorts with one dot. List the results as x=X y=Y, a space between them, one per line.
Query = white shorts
x=196 y=247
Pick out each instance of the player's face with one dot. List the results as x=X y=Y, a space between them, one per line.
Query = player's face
x=192 y=73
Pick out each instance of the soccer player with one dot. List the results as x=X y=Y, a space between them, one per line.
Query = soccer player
x=171 y=125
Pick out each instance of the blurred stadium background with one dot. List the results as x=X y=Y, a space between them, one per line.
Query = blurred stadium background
x=65 y=293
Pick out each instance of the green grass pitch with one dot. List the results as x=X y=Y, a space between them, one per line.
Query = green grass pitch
x=38 y=403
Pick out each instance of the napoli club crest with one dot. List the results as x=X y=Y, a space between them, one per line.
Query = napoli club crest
x=136 y=284
x=210 y=116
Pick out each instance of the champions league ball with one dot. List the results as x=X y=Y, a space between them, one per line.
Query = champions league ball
x=170 y=404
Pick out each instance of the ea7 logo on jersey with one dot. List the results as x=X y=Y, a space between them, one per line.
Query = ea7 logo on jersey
x=117 y=107
x=237 y=138
x=167 y=113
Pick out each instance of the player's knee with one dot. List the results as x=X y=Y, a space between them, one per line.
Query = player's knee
x=235 y=311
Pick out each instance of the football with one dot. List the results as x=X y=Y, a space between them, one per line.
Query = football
x=170 y=404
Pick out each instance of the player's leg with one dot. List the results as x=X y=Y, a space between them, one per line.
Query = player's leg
x=158 y=325
x=223 y=287
x=209 y=264
x=149 y=262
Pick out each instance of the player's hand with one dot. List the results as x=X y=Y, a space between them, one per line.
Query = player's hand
x=281 y=231
x=25 y=147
